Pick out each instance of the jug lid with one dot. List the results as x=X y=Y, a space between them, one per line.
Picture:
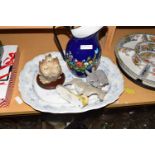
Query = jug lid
x=85 y=31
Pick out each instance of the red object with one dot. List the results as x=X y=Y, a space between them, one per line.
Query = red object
x=9 y=62
x=79 y=64
x=3 y=76
x=2 y=83
x=13 y=59
x=3 y=103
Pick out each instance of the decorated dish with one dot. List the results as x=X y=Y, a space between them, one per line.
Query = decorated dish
x=56 y=100
x=136 y=56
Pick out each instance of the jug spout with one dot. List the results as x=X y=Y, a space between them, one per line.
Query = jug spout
x=85 y=31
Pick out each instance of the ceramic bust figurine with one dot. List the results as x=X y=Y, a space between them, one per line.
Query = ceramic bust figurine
x=50 y=73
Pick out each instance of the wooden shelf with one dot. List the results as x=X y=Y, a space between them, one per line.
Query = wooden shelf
x=25 y=27
x=32 y=43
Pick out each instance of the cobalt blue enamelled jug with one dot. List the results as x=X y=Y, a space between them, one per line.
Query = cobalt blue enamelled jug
x=83 y=51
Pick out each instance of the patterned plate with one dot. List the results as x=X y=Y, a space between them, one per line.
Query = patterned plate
x=146 y=52
x=136 y=56
x=50 y=101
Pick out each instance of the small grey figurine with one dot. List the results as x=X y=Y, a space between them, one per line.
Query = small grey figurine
x=97 y=78
x=83 y=88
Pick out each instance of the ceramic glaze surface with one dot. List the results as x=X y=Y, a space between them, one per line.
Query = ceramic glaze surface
x=83 y=54
x=49 y=100
x=136 y=56
x=85 y=31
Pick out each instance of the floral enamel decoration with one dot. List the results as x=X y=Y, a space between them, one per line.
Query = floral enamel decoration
x=85 y=64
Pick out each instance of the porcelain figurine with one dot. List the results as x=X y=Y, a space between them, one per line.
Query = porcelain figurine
x=77 y=100
x=83 y=88
x=97 y=78
x=50 y=73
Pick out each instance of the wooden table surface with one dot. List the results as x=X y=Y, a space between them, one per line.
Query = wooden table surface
x=34 y=42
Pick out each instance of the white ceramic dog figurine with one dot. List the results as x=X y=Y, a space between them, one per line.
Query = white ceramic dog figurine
x=86 y=89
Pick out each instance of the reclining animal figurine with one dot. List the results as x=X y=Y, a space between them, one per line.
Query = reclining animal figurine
x=76 y=100
x=97 y=78
x=84 y=88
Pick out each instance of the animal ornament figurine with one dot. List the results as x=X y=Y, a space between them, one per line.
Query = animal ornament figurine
x=97 y=78
x=83 y=88
x=77 y=100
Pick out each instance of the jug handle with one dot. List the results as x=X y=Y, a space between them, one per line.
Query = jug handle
x=58 y=42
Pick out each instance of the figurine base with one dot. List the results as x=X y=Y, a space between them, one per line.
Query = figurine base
x=53 y=84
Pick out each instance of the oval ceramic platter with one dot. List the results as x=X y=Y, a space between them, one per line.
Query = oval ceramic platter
x=49 y=101
x=136 y=56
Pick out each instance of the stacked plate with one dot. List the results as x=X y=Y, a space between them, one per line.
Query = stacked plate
x=50 y=101
x=136 y=56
